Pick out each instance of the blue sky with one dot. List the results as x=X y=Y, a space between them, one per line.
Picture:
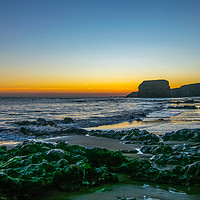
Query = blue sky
x=103 y=44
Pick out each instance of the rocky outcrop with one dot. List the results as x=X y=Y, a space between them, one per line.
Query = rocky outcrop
x=183 y=107
x=133 y=94
x=128 y=136
x=161 y=89
x=44 y=122
x=154 y=89
x=191 y=90
x=191 y=135
x=33 y=168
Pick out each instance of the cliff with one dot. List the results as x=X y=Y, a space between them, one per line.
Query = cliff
x=133 y=94
x=161 y=89
x=154 y=89
x=191 y=90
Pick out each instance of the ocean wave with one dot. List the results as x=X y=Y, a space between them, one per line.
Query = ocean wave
x=88 y=112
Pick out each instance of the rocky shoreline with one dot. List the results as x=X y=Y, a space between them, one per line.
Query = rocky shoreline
x=33 y=166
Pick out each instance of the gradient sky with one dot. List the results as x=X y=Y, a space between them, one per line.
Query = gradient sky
x=97 y=46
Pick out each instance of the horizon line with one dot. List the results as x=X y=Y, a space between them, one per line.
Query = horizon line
x=42 y=94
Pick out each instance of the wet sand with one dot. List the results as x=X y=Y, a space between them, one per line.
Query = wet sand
x=85 y=141
x=124 y=189
x=133 y=190
x=92 y=141
x=101 y=142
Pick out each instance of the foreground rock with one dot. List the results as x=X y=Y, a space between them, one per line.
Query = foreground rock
x=33 y=168
x=178 y=163
x=128 y=136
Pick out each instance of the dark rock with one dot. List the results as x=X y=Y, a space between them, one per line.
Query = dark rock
x=25 y=131
x=67 y=120
x=193 y=173
x=162 y=149
x=182 y=107
x=52 y=123
x=26 y=123
x=41 y=121
x=105 y=157
x=163 y=176
x=77 y=131
x=35 y=167
x=191 y=90
x=29 y=148
x=41 y=169
x=44 y=122
x=55 y=155
x=177 y=175
x=128 y=136
x=154 y=89
x=192 y=135
x=133 y=95
x=160 y=89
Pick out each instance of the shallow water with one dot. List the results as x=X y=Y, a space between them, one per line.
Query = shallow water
x=162 y=120
x=153 y=125
x=99 y=113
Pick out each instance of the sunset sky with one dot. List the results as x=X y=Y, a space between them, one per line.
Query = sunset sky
x=72 y=47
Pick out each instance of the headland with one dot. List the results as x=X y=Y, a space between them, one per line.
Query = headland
x=161 y=89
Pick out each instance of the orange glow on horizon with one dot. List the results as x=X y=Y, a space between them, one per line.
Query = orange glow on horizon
x=81 y=87
x=84 y=89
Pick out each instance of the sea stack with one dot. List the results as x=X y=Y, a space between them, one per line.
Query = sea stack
x=154 y=89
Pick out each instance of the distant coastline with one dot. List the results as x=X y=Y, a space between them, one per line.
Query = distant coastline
x=161 y=89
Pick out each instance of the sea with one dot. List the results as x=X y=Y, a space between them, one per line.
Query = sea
x=108 y=113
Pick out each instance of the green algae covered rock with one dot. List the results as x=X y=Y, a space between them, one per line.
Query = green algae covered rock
x=191 y=135
x=55 y=155
x=29 y=148
x=100 y=156
x=193 y=172
x=128 y=136
x=34 y=167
